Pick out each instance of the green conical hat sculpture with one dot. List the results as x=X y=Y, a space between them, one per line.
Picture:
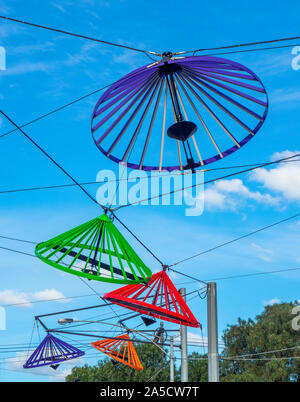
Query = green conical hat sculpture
x=95 y=250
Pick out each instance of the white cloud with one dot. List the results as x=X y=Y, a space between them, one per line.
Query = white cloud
x=283 y=179
x=196 y=338
x=283 y=154
x=228 y=194
x=21 y=299
x=214 y=199
x=27 y=67
x=16 y=364
x=49 y=294
x=12 y=297
x=128 y=58
x=86 y=53
x=272 y=65
x=271 y=302
x=286 y=97
x=59 y=7
x=35 y=47
x=262 y=253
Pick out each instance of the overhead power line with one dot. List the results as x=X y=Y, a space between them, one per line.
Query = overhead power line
x=180 y=273
x=188 y=276
x=253 y=274
x=51 y=112
x=137 y=238
x=147 y=52
x=88 y=183
x=56 y=110
x=74 y=181
x=44 y=300
x=236 y=239
x=264 y=42
x=253 y=50
x=206 y=182
x=50 y=158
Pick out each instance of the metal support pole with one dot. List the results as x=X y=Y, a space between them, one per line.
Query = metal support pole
x=172 y=359
x=183 y=339
x=162 y=337
x=212 y=332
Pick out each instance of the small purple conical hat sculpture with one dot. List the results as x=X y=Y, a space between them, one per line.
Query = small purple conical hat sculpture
x=52 y=351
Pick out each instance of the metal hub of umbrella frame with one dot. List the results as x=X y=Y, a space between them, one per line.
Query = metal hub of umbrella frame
x=208 y=106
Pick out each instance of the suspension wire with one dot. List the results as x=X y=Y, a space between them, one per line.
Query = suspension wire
x=254 y=274
x=55 y=110
x=188 y=276
x=84 y=183
x=62 y=107
x=30 y=342
x=201 y=344
x=207 y=280
x=240 y=45
x=58 y=186
x=237 y=239
x=76 y=182
x=126 y=227
x=209 y=181
x=158 y=371
x=206 y=182
x=264 y=353
x=51 y=159
x=21 y=240
x=44 y=300
x=147 y=52
x=253 y=50
x=96 y=293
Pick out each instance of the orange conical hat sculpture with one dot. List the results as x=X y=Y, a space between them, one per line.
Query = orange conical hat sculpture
x=121 y=349
x=158 y=298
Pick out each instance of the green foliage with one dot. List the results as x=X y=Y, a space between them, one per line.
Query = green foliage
x=151 y=357
x=272 y=330
x=197 y=367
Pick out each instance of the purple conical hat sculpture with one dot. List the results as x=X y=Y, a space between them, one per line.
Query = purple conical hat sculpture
x=179 y=113
x=52 y=351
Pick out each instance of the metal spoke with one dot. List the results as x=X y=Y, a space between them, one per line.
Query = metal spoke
x=211 y=112
x=163 y=127
x=151 y=124
x=141 y=120
x=200 y=118
x=221 y=107
x=131 y=118
x=199 y=79
x=186 y=118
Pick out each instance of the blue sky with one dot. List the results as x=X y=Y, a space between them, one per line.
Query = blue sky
x=45 y=70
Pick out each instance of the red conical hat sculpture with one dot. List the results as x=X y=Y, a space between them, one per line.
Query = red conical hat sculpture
x=158 y=298
x=120 y=349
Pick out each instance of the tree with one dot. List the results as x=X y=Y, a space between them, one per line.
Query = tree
x=153 y=360
x=197 y=367
x=272 y=330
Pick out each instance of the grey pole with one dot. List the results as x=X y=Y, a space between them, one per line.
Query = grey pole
x=183 y=339
x=171 y=359
x=212 y=332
